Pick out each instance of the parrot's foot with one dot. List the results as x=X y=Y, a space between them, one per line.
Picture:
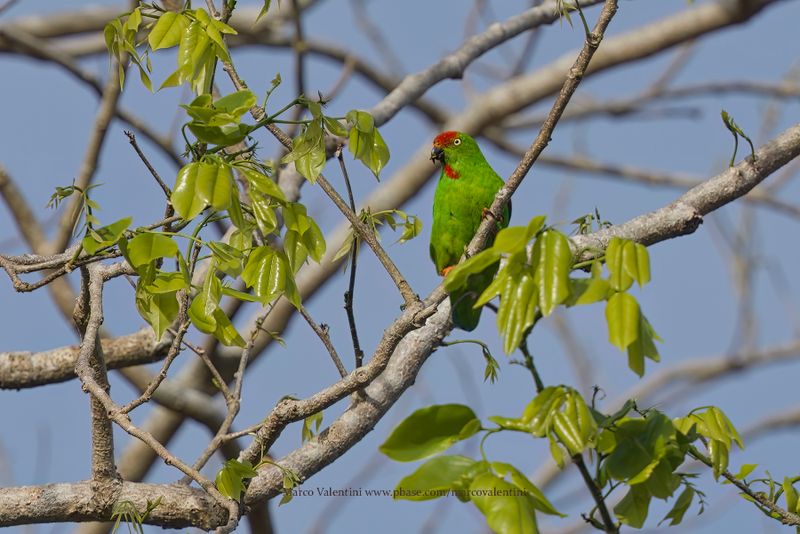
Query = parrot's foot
x=485 y=212
x=447 y=270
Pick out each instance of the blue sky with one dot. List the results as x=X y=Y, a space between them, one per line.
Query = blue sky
x=691 y=302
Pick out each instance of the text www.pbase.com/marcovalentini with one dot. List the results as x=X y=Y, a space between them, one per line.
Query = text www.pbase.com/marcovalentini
x=405 y=492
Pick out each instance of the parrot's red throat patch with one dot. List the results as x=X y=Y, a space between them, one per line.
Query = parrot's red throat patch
x=444 y=139
x=451 y=173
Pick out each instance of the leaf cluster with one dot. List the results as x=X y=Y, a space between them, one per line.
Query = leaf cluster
x=640 y=451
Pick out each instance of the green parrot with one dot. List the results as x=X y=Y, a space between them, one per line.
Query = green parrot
x=466 y=189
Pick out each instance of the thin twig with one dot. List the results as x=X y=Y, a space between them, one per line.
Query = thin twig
x=174 y=351
x=351 y=287
x=234 y=401
x=216 y=376
x=324 y=336
x=529 y=364
x=597 y=495
x=786 y=517
x=135 y=145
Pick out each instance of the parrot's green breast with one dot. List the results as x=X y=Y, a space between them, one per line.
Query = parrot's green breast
x=466 y=188
x=458 y=210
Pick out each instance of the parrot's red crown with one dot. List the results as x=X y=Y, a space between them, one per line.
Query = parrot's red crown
x=445 y=139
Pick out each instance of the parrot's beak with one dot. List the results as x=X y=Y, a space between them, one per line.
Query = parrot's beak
x=437 y=154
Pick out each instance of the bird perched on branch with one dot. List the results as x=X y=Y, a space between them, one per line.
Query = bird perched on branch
x=466 y=189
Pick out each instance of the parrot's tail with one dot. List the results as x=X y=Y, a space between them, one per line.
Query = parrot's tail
x=462 y=301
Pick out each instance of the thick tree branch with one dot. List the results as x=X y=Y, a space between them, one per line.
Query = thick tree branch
x=685 y=214
x=25 y=369
x=88 y=319
x=180 y=506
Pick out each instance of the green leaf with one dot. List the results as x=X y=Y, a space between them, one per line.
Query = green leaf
x=262 y=183
x=790 y=494
x=622 y=316
x=662 y=482
x=604 y=421
x=308 y=151
x=715 y=425
x=682 y=504
x=745 y=470
x=510 y=423
x=736 y=131
x=167 y=283
x=133 y=22
x=366 y=143
x=643 y=346
x=168 y=30
x=314 y=241
x=225 y=332
x=435 y=478
x=311 y=425
x=201 y=310
x=428 y=431
x=512 y=239
x=632 y=509
x=412 y=227
x=230 y=479
x=214 y=183
x=149 y=246
x=457 y=277
x=721 y=433
x=295 y=249
x=505 y=510
x=158 y=309
x=618 y=277
x=105 y=236
x=636 y=262
x=223 y=135
x=552 y=261
x=540 y=411
x=264 y=9
x=587 y=290
x=264 y=212
x=227 y=259
x=335 y=127
x=517 y=309
x=558 y=454
x=641 y=444
x=266 y=272
x=185 y=198
x=241 y=295
x=568 y=433
x=540 y=502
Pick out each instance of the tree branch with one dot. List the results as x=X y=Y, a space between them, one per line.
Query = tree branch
x=180 y=506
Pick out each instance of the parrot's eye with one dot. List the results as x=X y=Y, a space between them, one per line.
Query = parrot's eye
x=457 y=142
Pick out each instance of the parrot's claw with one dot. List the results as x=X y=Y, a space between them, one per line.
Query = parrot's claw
x=486 y=213
x=447 y=270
